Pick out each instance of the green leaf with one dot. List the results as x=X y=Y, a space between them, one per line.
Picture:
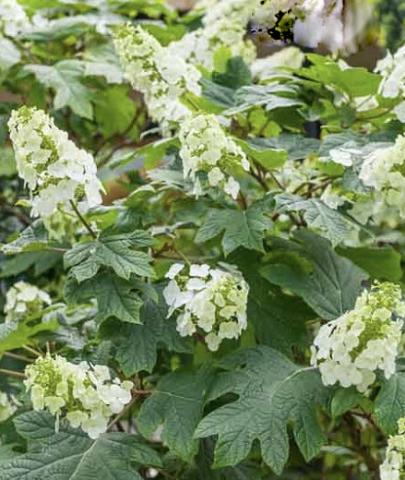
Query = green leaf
x=339 y=140
x=382 y=263
x=102 y=60
x=334 y=283
x=201 y=470
x=114 y=251
x=115 y=297
x=269 y=96
x=137 y=345
x=389 y=405
x=16 y=335
x=357 y=82
x=268 y=158
x=317 y=215
x=272 y=393
x=217 y=94
x=296 y=146
x=177 y=405
x=7 y=453
x=240 y=228
x=64 y=78
x=150 y=154
x=344 y=400
x=236 y=75
x=34 y=238
x=278 y=319
x=41 y=261
x=8 y=167
x=61 y=28
x=114 y=110
x=165 y=34
x=72 y=455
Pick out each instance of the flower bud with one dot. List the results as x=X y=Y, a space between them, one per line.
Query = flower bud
x=205 y=147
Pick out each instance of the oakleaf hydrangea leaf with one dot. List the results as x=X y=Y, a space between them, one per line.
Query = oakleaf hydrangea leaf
x=239 y=228
x=177 y=405
x=65 y=79
x=272 y=392
x=115 y=297
x=334 y=283
x=72 y=455
x=331 y=224
x=137 y=345
x=390 y=403
x=113 y=251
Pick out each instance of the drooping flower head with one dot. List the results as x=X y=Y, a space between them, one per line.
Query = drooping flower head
x=23 y=300
x=392 y=69
x=13 y=19
x=393 y=467
x=312 y=23
x=161 y=76
x=7 y=407
x=224 y=27
x=352 y=348
x=205 y=147
x=207 y=300
x=84 y=394
x=55 y=170
x=384 y=172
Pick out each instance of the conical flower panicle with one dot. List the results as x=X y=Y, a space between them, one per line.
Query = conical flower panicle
x=205 y=147
x=352 y=348
x=55 y=170
x=160 y=76
x=208 y=301
x=84 y=394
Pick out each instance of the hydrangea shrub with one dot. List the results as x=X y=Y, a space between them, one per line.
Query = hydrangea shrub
x=201 y=243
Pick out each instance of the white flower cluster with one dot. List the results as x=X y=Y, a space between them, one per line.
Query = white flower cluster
x=209 y=301
x=392 y=69
x=83 y=394
x=393 y=467
x=23 y=300
x=350 y=349
x=7 y=407
x=206 y=147
x=312 y=23
x=13 y=19
x=224 y=26
x=158 y=74
x=320 y=22
x=384 y=171
x=56 y=171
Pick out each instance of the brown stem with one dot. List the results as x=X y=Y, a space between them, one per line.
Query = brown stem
x=138 y=113
x=259 y=178
x=17 y=213
x=15 y=356
x=33 y=351
x=274 y=178
x=136 y=393
x=357 y=445
x=11 y=373
x=242 y=201
x=83 y=220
